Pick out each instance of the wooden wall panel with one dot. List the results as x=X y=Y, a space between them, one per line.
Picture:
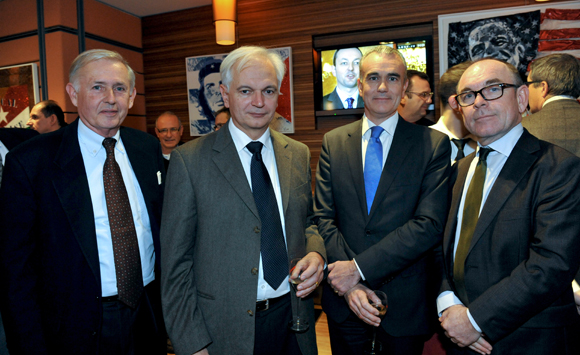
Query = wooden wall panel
x=169 y=38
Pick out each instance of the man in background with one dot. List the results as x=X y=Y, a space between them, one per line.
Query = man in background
x=451 y=121
x=554 y=83
x=415 y=103
x=46 y=116
x=381 y=202
x=80 y=211
x=245 y=212
x=169 y=129
x=221 y=118
x=511 y=241
x=346 y=70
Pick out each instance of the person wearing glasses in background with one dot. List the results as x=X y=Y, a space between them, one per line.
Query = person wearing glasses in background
x=414 y=104
x=511 y=241
x=221 y=118
x=169 y=129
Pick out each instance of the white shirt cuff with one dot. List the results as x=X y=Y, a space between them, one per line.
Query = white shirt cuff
x=360 y=272
x=575 y=286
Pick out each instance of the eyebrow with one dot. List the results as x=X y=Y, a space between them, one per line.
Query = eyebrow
x=488 y=82
x=395 y=74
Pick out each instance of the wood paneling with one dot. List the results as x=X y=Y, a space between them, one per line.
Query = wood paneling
x=169 y=38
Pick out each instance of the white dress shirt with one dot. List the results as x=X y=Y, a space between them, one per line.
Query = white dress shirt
x=440 y=126
x=94 y=156
x=495 y=162
x=343 y=95
x=389 y=126
x=241 y=140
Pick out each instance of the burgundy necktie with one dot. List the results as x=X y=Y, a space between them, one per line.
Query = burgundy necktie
x=125 y=245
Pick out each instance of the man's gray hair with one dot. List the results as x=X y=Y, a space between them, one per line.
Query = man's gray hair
x=384 y=51
x=168 y=113
x=560 y=71
x=242 y=57
x=93 y=55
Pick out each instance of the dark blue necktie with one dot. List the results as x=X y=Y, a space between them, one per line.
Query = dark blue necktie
x=349 y=102
x=272 y=246
x=373 y=165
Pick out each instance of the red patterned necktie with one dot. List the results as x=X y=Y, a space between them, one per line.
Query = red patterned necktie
x=125 y=245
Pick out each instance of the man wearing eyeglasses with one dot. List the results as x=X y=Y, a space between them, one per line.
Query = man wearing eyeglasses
x=511 y=241
x=415 y=103
x=169 y=129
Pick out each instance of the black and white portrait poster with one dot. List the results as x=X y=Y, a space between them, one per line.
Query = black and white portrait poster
x=204 y=97
x=512 y=38
x=203 y=92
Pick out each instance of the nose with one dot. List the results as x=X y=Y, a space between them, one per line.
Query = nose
x=258 y=99
x=110 y=96
x=350 y=66
x=29 y=122
x=429 y=100
x=383 y=87
x=479 y=100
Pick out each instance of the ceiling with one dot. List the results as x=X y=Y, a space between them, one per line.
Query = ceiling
x=142 y=8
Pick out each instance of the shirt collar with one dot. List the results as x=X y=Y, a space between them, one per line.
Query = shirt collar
x=389 y=125
x=241 y=139
x=343 y=95
x=506 y=144
x=558 y=97
x=93 y=141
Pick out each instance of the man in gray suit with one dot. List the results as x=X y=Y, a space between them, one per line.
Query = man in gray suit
x=554 y=83
x=217 y=290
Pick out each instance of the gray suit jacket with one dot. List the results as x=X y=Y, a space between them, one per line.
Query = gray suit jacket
x=211 y=243
x=558 y=123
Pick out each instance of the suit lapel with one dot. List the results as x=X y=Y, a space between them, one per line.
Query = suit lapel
x=283 y=156
x=516 y=167
x=353 y=149
x=227 y=160
x=72 y=188
x=400 y=147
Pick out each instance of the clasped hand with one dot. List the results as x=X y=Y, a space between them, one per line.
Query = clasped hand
x=311 y=271
x=342 y=276
x=455 y=321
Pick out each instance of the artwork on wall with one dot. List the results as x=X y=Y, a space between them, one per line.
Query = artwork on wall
x=204 y=97
x=18 y=94
x=515 y=34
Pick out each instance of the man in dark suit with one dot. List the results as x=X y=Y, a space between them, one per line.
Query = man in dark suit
x=381 y=242
x=218 y=243
x=415 y=103
x=346 y=70
x=73 y=204
x=511 y=241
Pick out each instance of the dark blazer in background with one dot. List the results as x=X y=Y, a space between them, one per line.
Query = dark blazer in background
x=525 y=249
x=332 y=102
x=11 y=137
x=211 y=243
x=405 y=223
x=49 y=263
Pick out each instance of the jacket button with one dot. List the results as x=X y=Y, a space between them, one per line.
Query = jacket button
x=250 y=313
x=255 y=271
x=256 y=229
x=368 y=232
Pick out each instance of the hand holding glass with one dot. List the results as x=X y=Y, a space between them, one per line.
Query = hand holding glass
x=377 y=299
x=297 y=324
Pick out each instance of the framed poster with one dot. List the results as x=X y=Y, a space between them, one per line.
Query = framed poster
x=18 y=94
x=479 y=26
x=204 y=97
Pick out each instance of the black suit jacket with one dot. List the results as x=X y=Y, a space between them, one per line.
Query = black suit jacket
x=11 y=137
x=332 y=101
x=525 y=248
x=49 y=263
x=406 y=220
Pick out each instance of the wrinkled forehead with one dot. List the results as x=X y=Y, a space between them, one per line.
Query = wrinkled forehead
x=483 y=73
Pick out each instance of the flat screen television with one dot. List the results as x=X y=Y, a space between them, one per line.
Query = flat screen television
x=336 y=71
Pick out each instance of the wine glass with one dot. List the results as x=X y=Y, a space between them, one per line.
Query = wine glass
x=297 y=324
x=377 y=299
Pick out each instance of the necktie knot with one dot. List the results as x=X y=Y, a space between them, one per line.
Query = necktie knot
x=460 y=143
x=109 y=144
x=256 y=149
x=350 y=101
x=483 y=153
x=376 y=132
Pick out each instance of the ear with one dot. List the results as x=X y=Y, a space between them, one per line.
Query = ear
x=132 y=98
x=360 y=87
x=406 y=85
x=523 y=95
x=70 y=89
x=403 y=99
x=53 y=120
x=452 y=101
x=545 y=88
x=225 y=95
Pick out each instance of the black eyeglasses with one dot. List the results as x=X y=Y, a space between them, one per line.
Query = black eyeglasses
x=423 y=95
x=489 y=93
